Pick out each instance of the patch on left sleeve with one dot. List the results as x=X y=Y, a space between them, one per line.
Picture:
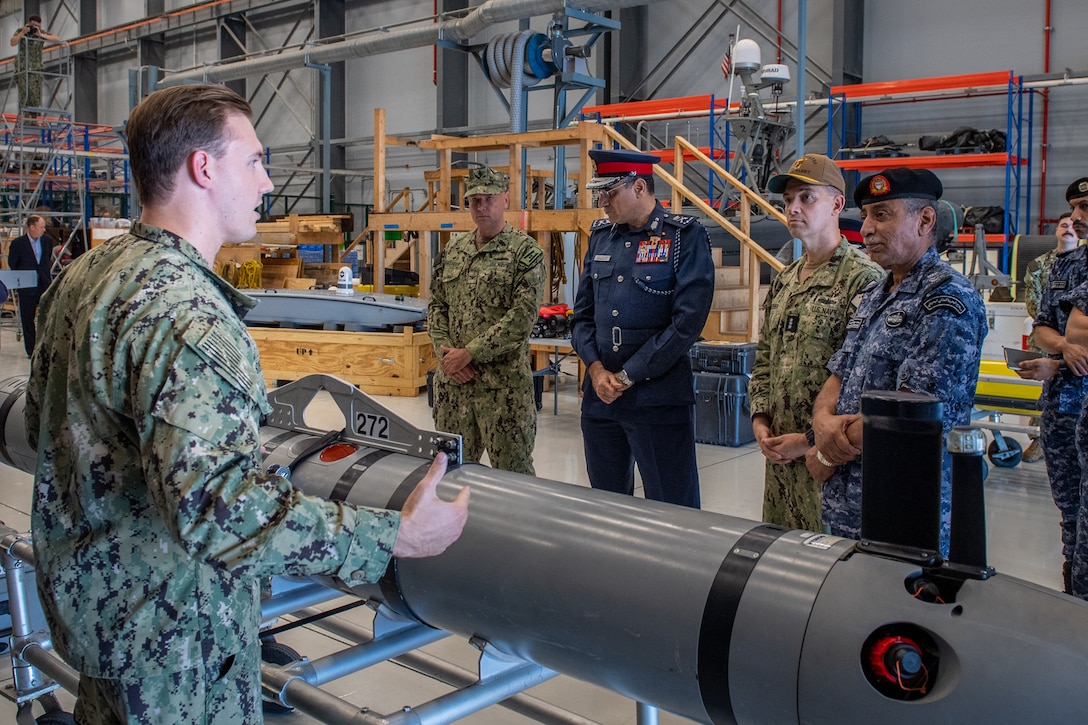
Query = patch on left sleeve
x=944 y=302
x=224 y=356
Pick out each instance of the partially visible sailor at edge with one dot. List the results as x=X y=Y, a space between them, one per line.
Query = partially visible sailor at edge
x=645 y=291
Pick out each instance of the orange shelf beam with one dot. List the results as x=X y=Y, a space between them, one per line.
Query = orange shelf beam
x=920 y=86
x=655 y=107
x=942 y=161
x=716 y=155
x=967 y=240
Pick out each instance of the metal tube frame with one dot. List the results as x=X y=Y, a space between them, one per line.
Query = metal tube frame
x=38 y=672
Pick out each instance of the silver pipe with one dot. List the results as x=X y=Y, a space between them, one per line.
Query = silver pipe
x=452 y=675
x=468 y=700
x=521 y=703
x=293 y=691
x=306 y=595
x=52 y=666
x=15 y=544
x=488 y=13
x=345 y=662
x=31 y=657
x=646 y=714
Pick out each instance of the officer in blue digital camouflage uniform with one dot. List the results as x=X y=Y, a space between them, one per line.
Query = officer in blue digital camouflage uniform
x=1036 y=279
x=1074 y=303
x=646 y=287
x=1064 y=394
x=154 y=521
x=920 y=330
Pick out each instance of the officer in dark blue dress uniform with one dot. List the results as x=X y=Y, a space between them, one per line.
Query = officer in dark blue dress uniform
x=646 y=287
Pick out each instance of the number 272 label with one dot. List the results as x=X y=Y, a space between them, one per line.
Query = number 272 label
x=372 y=426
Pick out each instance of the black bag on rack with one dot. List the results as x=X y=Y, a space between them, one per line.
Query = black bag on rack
x=965 y=138
x=929 y=143
x=995 y=141
x=991 y=218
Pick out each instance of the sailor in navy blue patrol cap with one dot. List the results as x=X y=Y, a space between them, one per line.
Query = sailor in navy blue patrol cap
x=614 y=167
x=1077 y=196
x=1077 y=189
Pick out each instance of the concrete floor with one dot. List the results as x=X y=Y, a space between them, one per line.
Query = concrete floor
x=1022 y=525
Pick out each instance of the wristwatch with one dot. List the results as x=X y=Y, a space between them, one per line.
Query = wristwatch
x=624 y=378
x=810 y=436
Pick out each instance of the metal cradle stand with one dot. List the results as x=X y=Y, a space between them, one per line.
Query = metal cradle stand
x=37 y=673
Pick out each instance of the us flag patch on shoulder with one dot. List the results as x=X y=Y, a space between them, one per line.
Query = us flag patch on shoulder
x=225 y=357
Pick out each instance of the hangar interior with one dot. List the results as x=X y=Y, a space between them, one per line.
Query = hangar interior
x=357 y=103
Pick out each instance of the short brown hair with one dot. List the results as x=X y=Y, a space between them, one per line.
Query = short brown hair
x=169 y=125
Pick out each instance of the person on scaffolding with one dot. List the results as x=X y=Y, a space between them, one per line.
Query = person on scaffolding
x=28 y=61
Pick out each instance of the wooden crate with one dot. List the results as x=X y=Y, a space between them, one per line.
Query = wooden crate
x=238 y=253
x=727 y=325
x=276 y=270
x=296 y=229
x=326 y=274
x=381 y=363
x=299 y=282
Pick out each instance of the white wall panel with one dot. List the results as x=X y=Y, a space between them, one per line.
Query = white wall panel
x=120 y=12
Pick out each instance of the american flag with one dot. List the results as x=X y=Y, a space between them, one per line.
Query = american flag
x=725 y=66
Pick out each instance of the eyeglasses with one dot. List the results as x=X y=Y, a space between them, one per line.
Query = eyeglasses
x=599 y=194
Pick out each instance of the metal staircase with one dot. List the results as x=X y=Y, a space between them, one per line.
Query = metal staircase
x=738 y=294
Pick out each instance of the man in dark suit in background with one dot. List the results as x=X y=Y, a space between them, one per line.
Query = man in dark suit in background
x=32 y=251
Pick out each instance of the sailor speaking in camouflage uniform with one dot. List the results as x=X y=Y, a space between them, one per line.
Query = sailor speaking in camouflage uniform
x=646 y=287
x=28 y=60
x=486 y=290
x=1064 y=394
x=804 y=323
x=153 y=520
x=921 y=330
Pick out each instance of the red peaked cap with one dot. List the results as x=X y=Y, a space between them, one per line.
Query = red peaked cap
x=612 y=166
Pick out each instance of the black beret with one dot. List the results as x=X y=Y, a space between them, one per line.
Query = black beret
x=1077 y=189
x=898 y=183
